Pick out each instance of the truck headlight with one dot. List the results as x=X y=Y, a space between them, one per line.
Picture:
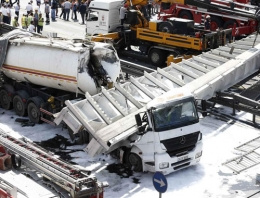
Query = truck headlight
x=164 y=165
x=199 y=154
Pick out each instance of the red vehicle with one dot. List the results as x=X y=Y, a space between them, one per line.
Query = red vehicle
x=239 y=15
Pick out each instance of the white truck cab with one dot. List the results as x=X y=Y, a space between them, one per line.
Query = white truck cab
x=103 y=16
x=170 y=137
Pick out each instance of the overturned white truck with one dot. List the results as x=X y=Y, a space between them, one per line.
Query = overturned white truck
x=38 y=74
x=152 y=122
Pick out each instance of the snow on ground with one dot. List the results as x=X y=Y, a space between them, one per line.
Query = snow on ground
x=207 y=179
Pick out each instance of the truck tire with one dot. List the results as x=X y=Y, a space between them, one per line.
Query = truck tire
x=166 y=27
x=33 y=112
x=185 y=14
x=157 y=57
x=229 y=24
x=5 y=100
x=216 y=22
x=136 y=162
x=19 y=106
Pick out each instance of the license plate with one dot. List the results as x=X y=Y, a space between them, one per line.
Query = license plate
x=182 y=158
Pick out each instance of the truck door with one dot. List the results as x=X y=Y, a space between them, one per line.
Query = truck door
x=92 y=22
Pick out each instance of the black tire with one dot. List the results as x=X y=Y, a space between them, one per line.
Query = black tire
x=33 y=113
x=19 y=106
x=5 y=100
x=229 y=24
x=158 y=57
x=216 y=23
x=166 y=27
x=16 y=161
x=135 y=162
x=185 y=14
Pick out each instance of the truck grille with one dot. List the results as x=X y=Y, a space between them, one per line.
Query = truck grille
x=181 y=144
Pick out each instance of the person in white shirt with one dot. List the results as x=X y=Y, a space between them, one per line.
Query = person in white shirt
x=31 y=27
x=67 y=6
x=17 y=9
x=5 y=15
x=29 y=8
x=9 y=13
x=122 y=12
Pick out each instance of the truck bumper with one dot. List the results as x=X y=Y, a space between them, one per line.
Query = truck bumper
x=172 y=164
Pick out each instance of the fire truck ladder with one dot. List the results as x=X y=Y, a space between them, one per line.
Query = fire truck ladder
x=64 y=175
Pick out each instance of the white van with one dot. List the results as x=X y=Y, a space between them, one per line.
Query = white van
x=103 y=16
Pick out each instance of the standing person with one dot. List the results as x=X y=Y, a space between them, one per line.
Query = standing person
x=17 y=9
x=54 y=6
x=40 y=24
x=29 y=19
x=4 y=12
x=207 y=23
x=9 y=13
x=24 y=21
x=31 y=27
x=29 y=8
x=15 y=22
x=62 y=9
x=122 y=13
x=47 y=12
x=67 y=6
x=75 y=8
x=1 y=16
x=71 y=7
x=35 y=20
x=38 y=3
x=82 y=11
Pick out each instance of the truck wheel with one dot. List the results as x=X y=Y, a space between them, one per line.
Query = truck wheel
x=216 y=22
x=157 y=57
x=166 y=27
x=136 y=162
x=19 y=106
x=229 y=24
x=33 y=113
x=185 y=14
x=5 y=100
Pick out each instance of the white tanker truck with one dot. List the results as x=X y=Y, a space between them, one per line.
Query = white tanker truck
x=38 y=74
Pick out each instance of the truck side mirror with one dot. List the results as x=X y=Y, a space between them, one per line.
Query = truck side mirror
x=138 y=120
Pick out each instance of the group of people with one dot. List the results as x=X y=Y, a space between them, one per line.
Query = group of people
x=33 y=20
x=75 y=7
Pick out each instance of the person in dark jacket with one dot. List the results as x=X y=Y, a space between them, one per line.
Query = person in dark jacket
x=82 y=11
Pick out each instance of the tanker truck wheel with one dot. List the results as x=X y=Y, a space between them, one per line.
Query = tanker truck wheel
x=19 y=106
x=5 y=100
x=33 y=113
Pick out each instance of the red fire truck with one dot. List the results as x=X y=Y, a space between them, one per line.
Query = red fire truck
x=239 y=15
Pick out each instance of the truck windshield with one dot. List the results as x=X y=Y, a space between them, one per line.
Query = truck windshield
x=174 y=115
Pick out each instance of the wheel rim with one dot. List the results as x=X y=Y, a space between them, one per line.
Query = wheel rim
x=5 y=101
x=34 y=113
x=155 y=57
x=18 y=104
x=213 y=26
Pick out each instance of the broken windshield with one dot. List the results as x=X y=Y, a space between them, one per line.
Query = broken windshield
x=176 y=114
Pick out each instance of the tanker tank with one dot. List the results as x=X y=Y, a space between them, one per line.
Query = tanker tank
x=38 y=73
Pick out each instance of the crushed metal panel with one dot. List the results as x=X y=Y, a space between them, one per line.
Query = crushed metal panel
x=250 y=145
x=243 y=162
